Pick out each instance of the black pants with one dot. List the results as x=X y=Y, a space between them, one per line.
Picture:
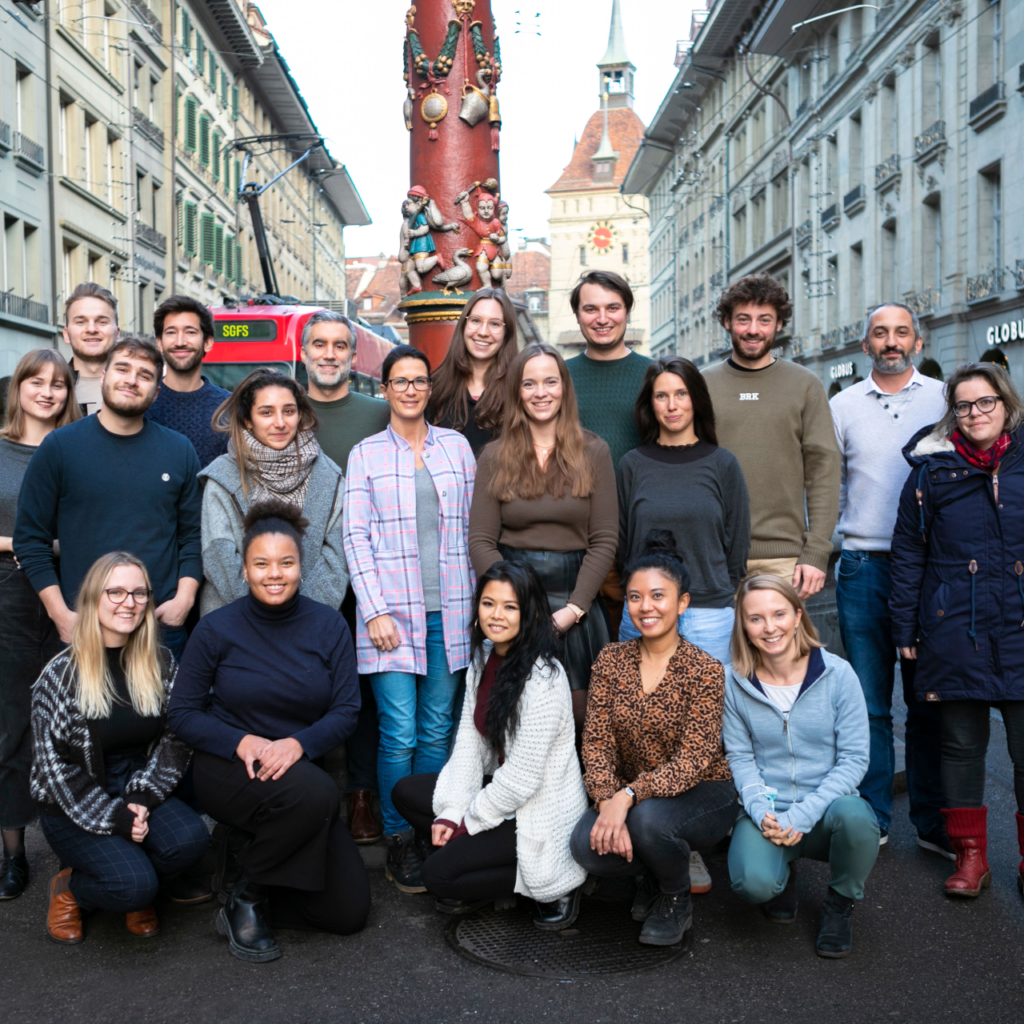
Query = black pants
x=28 y=639
x=663 y=831
x=300 y=849
x=479 y=867
x=965 y=732
x=361 y=746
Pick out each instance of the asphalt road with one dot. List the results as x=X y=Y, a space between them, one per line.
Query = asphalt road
x=918 y=958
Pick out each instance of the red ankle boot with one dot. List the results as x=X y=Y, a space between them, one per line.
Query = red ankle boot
x=1020 y=846
x=968 y=834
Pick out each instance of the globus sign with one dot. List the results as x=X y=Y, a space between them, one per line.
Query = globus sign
x=840 y=371
x=1008 y=330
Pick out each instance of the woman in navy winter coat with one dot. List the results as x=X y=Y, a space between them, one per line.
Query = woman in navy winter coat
x=958 y=595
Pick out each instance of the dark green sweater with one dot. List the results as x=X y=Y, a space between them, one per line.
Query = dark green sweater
x=347 y=421
x=606 y=393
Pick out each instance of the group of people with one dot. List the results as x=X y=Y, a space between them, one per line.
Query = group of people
x=554 y=610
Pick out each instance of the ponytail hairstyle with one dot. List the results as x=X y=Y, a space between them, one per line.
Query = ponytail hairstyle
x=536 y=642
x=658 y=551
x=273 y=516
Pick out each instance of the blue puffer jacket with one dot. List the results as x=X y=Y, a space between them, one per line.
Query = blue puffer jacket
x=958 y=572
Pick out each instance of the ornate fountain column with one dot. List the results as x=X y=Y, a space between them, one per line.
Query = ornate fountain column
x=453 y=237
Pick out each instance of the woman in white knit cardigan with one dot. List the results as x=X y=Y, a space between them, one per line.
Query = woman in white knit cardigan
x=500 y=813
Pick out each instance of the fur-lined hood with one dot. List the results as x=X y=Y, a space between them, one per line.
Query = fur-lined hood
x=927 y=441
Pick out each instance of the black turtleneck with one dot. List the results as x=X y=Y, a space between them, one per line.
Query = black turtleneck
x=270 y=670
x=124 y=732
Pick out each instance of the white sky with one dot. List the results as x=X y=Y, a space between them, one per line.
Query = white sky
x=347 y=59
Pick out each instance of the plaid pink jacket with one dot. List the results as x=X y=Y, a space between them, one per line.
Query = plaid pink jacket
x=383 y=552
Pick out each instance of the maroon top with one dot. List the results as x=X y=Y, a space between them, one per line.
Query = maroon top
x=483 y=693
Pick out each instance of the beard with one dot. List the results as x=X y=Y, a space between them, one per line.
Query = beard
x=125 y=404
x=606 y=343
x=184 y=364
x=888 y=367
x=324 y=379
x=739 y=350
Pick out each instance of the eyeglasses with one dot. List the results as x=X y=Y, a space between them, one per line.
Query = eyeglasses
x=401 y=385
x=118 y=595
x=986 y=404
x=493 y=326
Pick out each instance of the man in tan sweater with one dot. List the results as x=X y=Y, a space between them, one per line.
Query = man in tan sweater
x=772 y=414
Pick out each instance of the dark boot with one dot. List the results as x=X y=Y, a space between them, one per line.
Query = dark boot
x=192 y=886
x=967 y=828
x=1020 y=847
x=244 y=921
x=558 y=914
x=647 y=891
x=458 y=907
x=835 y=936
x=782 y=908
x=404 y=862
x=13 y=877
x=669 y=920
x=364 y=827
x=227 y=845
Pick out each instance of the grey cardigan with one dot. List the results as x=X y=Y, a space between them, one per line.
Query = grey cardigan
x=324 y=569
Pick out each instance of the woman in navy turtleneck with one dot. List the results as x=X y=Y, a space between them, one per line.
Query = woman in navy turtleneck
x=267 y=685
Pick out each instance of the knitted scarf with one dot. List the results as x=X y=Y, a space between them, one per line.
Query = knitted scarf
x=987 y=460
x=282 y=474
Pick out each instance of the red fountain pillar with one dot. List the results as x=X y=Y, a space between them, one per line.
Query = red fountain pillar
x=454 y=234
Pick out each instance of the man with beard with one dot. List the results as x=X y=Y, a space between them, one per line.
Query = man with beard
x=186 y=400
x=772 y=414
x=90 y=328
x=115 y=482
x=346 y=418
x=874 y=419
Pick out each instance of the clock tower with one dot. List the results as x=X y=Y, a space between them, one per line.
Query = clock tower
x=593 y=225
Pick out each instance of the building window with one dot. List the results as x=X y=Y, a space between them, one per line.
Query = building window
x=889 y=283
x=191 y=229
x=932 y=241
x=204 y=140
x=87 y=177
x=218 y=249
x=191 y=109
x=625 y=252
x=367 y=304
x=62 y=137
x=990 y=220
x=990 y=27
x=583 y=255
x=207 y=238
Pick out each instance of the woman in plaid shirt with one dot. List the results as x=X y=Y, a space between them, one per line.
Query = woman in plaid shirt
x=407 y=495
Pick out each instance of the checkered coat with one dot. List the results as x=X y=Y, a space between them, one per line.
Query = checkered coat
x=382 y=549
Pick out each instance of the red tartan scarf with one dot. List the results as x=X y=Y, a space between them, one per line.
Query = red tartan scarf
x=988 y=460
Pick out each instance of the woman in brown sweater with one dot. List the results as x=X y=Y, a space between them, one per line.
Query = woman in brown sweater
x=652 y=748
x=545 y=495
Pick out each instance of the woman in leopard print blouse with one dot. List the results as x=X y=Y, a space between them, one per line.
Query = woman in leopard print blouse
x=652 y=747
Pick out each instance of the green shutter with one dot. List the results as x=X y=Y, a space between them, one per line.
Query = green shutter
x=215 y=159
x=229 y=257
x=186 y=35
x=238 y=176
x=234 y=103
x=179 y=223
x=200 y=55
x=179 y=125
x=204 y=140
x=238 y=263
x=206 y=238
x=224 y=89
x=190 y=123
x=191 y=215
x=218 y=249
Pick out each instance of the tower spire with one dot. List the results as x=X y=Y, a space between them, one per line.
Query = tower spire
x=615 y=68
x=616 y=52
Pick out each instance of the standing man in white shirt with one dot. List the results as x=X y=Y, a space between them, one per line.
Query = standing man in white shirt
x=874 y=419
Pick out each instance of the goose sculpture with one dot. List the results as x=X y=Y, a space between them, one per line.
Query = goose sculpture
x=459 y=274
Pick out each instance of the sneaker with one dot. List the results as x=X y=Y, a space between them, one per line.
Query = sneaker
x=700 y=880
x=668 y=921
x=404 y=862
x=883 y=836
x=936 y=841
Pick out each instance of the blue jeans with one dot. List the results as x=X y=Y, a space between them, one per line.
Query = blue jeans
x=864 y=585
x=415 y=715
x=174 y=639
x=710 y=629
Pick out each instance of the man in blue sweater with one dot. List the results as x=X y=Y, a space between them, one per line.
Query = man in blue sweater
x=115 y=482
x=186 y=400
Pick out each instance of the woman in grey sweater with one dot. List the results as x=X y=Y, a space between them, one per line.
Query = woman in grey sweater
x=680 y=480
x=272 y=453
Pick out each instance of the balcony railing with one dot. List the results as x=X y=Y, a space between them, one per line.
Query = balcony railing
x=803 y=233
x=831 y=339
x=151 y=21
x=804 y=104
x=887 y=171
x=718 y=279
x=929 y=141
x=15 y=305
x=698 y=294
x=923 y=302
x=830 y=217
x=853 y=332
x=984 y=286
x=30 y=152
x=855 y=200
x=147 y=128
x=151 y=237
x=987 y=106
x=5 y=137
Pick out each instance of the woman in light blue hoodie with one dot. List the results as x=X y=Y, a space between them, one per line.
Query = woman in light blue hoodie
x=796 y=735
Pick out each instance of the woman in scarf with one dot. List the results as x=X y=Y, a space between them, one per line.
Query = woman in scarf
x=272 y=454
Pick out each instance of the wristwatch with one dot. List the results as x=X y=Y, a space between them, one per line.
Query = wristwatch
x=576 y=610
x=629 y=790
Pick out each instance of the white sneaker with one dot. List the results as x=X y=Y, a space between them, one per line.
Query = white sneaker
x=700 y=880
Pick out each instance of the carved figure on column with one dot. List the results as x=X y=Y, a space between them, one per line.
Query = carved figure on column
x=483 y=223
x=416 y=250
x=501 y=269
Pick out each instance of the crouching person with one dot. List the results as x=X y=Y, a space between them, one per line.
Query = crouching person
x=105 y=762
x=267 y=685
x=652 y=746
x=500 y=813
x=796 y=735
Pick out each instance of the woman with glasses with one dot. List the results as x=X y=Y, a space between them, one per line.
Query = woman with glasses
x=407 y=495
x=40 y=398
x=272 y=454
x=958 y=596
x=469 y=385
x=105 y=763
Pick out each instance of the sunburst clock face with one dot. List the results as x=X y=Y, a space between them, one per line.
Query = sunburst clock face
x=602 y=237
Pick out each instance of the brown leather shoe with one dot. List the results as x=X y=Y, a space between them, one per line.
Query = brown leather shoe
x=361 y=822
x=142 y=922
x=64 y=918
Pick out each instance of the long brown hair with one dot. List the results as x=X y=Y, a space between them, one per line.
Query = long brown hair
x=998 y=379
x=450 y=398
x=647 y=424
x=31 y=365
x=518 y=474
x=232 y=413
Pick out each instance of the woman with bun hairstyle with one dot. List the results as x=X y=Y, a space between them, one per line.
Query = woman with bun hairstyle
x=655 y=769
x=545 y=496
x=105 y=760
x=468 y=390
x=680 y=479
x=499 y=815
x=796 y=735
x=272 y=454
x=267 y=686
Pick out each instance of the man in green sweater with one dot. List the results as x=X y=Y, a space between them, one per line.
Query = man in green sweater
x=772 y=414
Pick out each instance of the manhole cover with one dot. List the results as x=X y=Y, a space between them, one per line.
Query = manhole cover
x=602 y=941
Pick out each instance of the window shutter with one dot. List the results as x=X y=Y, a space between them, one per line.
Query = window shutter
x=215 y=157
x=190 y=123
x=224 y=89
x=238 y=263
x=218 y=249
x=186 y=35
x=206 y=239
x=200 y=55
x=234 y=103
x=238 y=176
x=229 y=257
x=190 y=228
x=204 y=141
